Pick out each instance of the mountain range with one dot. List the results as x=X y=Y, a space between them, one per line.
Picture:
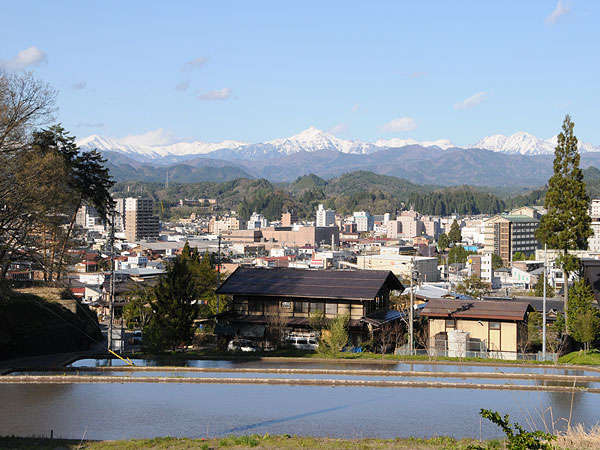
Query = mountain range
x=521 y=159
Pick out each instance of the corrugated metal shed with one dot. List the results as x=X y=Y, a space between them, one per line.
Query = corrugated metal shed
x=286 y=282
x=476 y=309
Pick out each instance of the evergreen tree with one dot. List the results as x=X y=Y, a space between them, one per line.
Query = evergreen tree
x=455 y=235
x=583 y=319
x=443 y=242
x=539 y=288
x=497 y=262
x=566 y=226
x=174 y=308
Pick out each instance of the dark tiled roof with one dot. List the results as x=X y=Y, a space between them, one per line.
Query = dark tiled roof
x=286 y=282
x=476 y=309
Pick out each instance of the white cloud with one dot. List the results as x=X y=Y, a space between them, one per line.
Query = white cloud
x=79 y=85
x=560 y=10
x=355 y=108
x=25 y=58
x=183 y=86
x=337 y=129
x=217 y=94
x=153 y=137
x=472 y=101
x=194 y=64
x=399 y=124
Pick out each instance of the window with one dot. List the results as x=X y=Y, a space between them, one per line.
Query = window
x=255 y=306
x=494 y=325
x=316 y=307
x=450 y=324
x=331 y=308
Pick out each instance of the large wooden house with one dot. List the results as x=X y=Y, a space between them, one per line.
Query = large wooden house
x=296 y=294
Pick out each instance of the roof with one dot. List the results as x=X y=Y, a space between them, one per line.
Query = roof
x=476 y=309
x=304 y=283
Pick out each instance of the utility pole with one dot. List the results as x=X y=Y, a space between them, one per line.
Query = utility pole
x=411 y=313
x=219 y=273
x=544 y=303
x=112 y=281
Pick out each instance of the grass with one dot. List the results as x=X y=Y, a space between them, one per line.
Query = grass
x=590 y=358
x=254 y=441
x=289 y=353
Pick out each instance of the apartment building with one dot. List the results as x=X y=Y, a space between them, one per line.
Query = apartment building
x=594 y=240
x=288 y=219
x=325 y=217
x=140 y=222
x=506 y=235
x=364 y=221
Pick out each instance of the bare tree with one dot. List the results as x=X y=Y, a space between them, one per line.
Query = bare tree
x=276 y=324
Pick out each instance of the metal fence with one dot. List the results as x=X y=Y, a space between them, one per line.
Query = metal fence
x=483 y=354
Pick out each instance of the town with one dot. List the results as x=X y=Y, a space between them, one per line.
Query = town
x=299 y=225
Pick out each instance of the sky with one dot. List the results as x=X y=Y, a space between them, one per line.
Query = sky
x=255 y=71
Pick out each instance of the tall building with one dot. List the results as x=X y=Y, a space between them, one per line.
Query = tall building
x=288 y=219
x=325 y=217
x=140 y=223
x=257 y=221
x=119 y=214
x=411 y=226
x=364 y=221
x=506 y=235
x=594 y=240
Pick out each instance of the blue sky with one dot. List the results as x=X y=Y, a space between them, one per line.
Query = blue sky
x=254 y=71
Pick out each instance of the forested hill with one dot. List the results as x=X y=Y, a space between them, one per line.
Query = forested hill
x=353 y=191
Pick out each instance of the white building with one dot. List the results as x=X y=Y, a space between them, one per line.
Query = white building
x=325 y=217
x=257 y=221
x=364 y=221
x=594 y=240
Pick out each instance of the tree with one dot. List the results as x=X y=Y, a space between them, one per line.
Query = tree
x=335 y=337
x=566 y=226
x=174 y=308
x=539 y=288
x=534 y=324
x=276 y=325
x=474 y=287
x=443 y=242
x=458 y=254
x=519 y=256
x=138 y=311
x=455 y=234
x=497 y=262
x=583 y=318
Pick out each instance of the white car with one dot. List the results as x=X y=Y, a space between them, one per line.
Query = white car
x=241 y=345
x=303 y=343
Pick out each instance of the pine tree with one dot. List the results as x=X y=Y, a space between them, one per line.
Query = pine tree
x=455 y=234
x=566 y=226
x=539 y=288
x=583 y=319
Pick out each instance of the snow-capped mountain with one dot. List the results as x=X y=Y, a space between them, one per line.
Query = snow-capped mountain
x=167 y=149
x=154 y=151
x=526 y=144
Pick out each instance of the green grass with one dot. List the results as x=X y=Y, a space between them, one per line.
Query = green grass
x=254 y=441
x=287 y=353
x=590 y=358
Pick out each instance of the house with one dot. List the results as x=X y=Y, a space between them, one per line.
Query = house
x=497 y=328
x=296 y=294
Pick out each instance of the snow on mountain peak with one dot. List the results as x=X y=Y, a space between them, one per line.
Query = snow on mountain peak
x=159 y=143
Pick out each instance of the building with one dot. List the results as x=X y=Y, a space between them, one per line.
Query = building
x=496 y=328
x=401 y=265
x=394 y=229
x=257 y=221
x=481 y=266
x=87 y=217
x=295 y=294
x=364 y=221
x=325 y=217
x=288 y=219
x=140 y=222
x=431 y=226
x=506 y=235
x=411 y=225
x=594 y=240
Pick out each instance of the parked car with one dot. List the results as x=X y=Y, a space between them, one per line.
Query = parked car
x=241 y=345
x=302 y=343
